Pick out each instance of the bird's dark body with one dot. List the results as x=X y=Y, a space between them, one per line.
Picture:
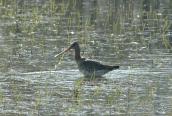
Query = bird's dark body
x=94 y=68
x=89 y=67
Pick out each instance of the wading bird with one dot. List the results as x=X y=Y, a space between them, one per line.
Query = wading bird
x=86 y=66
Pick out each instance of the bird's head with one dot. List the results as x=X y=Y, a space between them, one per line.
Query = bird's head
x=74 y=45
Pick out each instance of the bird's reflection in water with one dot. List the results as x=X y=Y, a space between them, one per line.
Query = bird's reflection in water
x=84 y=84
x=92 y=81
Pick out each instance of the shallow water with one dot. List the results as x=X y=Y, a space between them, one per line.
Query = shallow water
x=66 y=92
x=136 y=36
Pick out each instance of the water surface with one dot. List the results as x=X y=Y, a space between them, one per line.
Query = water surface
x=135 y=35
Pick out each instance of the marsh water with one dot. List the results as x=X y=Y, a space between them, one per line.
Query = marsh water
x=137 y=35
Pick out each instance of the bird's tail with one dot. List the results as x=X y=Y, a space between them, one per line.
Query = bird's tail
x=115 y=67
x=112 y=67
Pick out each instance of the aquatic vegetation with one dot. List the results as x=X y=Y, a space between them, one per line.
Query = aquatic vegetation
x=134 y=34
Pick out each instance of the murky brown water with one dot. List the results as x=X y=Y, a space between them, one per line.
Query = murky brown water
x=135 y=35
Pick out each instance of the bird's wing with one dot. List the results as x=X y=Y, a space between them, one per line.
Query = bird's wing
x=94 y=65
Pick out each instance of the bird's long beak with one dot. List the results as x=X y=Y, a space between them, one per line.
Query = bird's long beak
x=62 y=52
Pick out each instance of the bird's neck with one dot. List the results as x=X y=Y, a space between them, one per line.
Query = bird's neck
x=77 y=53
